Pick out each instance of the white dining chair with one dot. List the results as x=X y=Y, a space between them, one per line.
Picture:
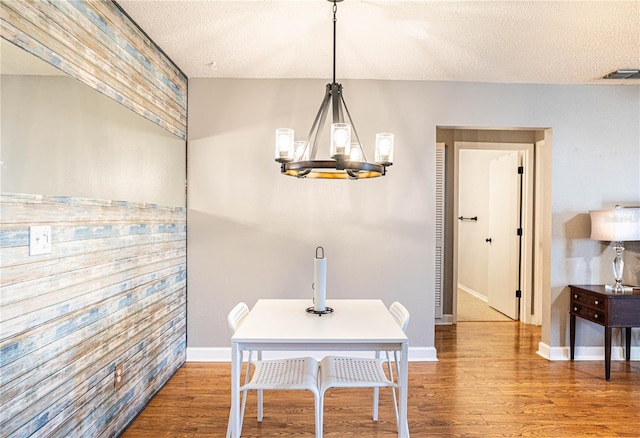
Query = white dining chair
x=348 y=372
x=284 y=374
x=401 y=316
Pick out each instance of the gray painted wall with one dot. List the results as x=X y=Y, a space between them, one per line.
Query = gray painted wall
x=252 y=231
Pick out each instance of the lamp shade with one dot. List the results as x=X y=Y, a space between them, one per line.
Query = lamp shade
x=621 y=224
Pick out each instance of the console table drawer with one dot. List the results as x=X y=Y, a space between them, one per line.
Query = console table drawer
x=586 y=299
x=588 y=313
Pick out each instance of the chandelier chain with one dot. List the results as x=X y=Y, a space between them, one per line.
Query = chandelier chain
x=335 y=9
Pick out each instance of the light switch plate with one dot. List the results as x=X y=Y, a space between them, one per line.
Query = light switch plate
x=39 y=240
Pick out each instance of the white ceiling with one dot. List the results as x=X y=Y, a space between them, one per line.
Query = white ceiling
x=509 y=41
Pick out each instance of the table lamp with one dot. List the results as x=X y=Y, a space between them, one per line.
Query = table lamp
x=616 y=225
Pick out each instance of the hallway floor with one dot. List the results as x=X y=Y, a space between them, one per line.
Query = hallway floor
x=471 y=308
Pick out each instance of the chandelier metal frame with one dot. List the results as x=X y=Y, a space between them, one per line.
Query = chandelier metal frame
x=340 y=166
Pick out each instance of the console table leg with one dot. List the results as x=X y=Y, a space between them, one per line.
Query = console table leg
x=607 y=353
x=627 y=351
x=572 y=335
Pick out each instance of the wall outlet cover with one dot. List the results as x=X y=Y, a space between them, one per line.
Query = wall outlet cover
x=39 y=240
x=119 y=376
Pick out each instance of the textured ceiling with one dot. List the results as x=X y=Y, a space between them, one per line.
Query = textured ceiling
x=561 y=42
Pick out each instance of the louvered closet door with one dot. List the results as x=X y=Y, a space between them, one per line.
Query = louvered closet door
x=440 y=203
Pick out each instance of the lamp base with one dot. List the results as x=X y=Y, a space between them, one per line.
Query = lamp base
x=618 y=268
x=618 y=288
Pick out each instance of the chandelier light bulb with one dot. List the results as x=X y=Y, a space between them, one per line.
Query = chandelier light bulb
x=340 y=139
x=384 y=148
x=284 y=144
x=356 y=153
x=299 y=152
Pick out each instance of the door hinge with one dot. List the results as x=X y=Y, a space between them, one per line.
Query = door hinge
x=520 y=170
x=518 y=293
x=519 y=231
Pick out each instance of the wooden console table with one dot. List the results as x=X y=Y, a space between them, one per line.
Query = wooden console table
x=609 y=309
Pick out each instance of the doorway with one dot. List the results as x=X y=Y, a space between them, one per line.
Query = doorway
x=491 y=209
x=526 y=146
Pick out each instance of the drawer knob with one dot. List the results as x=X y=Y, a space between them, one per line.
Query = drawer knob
x=596 y=302
x=575 y=296
x=595 y=315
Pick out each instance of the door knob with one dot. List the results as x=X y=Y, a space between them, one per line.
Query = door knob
x=488 y=240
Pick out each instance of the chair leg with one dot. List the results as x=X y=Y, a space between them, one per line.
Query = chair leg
x=393 y=388
x=376 y=396
x=376 y=392
x=243 y=396
x=244 y=393
x=243 y=403
x=318 y=416
x=260 y=412
x=259 y=396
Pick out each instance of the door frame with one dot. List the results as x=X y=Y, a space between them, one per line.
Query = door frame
x=530 y=304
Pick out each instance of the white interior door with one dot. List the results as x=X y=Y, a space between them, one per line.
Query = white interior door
x=504 y=207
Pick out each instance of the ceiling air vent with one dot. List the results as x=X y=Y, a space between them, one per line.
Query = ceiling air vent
x=627 y=73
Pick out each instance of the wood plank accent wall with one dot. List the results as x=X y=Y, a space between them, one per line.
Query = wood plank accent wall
x=96 y=43
x=112 y=291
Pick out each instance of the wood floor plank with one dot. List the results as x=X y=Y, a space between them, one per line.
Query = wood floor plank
x=488 y=382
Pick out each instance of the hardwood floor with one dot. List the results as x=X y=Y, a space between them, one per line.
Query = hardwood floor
x=488 y=382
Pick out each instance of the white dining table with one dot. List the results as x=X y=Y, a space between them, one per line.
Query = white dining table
x=356 y=325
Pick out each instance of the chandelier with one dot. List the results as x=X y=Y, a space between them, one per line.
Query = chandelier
x=347 y=158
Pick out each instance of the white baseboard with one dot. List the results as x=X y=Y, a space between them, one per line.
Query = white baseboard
x=416 y=354
x=423 y=354
x=584 y=353
x=201 y=354
x=478 y=295
x=223 y=354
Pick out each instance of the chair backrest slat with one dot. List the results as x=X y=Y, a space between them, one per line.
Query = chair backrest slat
x=400 y=314
x=237 y=315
